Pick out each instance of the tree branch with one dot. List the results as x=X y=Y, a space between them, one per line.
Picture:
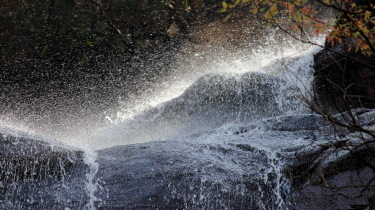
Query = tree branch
x=337 y=8
x=109 y=22
x=367 y=40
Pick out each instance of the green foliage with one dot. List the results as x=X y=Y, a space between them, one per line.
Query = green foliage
x=356 y=19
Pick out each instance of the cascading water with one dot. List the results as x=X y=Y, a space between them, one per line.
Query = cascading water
x=241 y=88
x=215 y=119
x=206 y=136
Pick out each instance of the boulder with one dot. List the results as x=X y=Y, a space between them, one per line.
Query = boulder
x=37 y=173
x=275 y=163
x=344 y=79
x=233 y=167
x=337 y=173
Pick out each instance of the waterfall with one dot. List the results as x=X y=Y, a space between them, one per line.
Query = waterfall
x=244 y=87
x=208 y=134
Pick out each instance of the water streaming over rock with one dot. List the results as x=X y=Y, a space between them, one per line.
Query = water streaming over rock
x=210 y=135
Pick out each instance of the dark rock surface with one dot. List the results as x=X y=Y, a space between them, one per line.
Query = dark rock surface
x=339 y=72
x=237 y=167
x=224 y=171
x=40 y=174
x=259 y=165
x=242 y=167
x=337 y=173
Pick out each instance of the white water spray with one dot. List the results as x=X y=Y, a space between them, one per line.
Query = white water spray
x=290 y=62
x=91 y=183
x=211 y=91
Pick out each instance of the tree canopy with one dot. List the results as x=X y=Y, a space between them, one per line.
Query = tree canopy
x=355 y=19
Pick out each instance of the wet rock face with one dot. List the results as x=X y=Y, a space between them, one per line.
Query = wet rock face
x=233 y=168
x=37 y=174
x=348 y=74
x=274 y=163
x=182 y=175
x=337 y=181
x=344 y=191
x=231 y=95
x=212 y=101
x=337 y=173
